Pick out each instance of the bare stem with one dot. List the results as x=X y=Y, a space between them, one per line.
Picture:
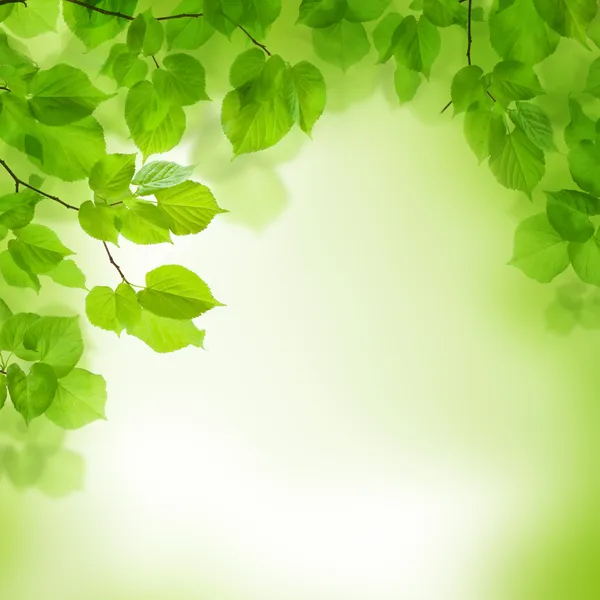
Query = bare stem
x=181 y=16
x=114 y=264
x=469 y=36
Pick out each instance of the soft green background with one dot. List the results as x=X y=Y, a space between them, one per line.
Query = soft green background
x=380 y=413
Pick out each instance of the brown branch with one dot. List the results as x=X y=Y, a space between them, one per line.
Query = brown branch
x=109 y=13
x=181 y=16
x=19 y=182
x=469 y=36
x=255 y=41
x=114 y=264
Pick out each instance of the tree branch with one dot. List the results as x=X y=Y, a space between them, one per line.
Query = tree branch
x=181 y=16
x=4 y=88
x=469 y=36
x=255 y=41
x=20 y=182
x=109 y=13
x=114 y=264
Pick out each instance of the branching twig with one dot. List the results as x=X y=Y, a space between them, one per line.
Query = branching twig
x=114 y=264
x=20 y=182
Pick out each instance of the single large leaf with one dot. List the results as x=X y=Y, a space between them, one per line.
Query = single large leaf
x=182 y=80
x=416 y=44
x=160 y=174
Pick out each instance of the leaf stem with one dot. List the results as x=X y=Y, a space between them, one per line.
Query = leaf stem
x=255 y=41
x=114 y=264
x=181 y=16
x=155 y=62
x=19 y=182
x=4 y=88
x=469 y=36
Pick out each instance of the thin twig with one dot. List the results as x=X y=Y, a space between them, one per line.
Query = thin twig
x=446 y=107
x=469 y=36
x=19 y=182
x=103 y=11
x=181 y=16
x=114 y=264
x=155 y=62
x=4 y=88
x=255 y=41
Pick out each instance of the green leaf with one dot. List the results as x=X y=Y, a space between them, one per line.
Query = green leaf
x=585 y=258
x=342 y=44
x=3 y=390
x=224 y=15
x=512 y=80
x=247 y=67
x=593 y=79
x=36 y=18
x=383 y=35
x=190 y=207
x=259 y=15
x=94 y=28
x=57 y=340
x=101 y=309
x=416 y=44
x=5 y=313
x=518 y=164
x=68 y=274
x=129 y=69
x=79 y=400
x=182 y=80
x=145 y=34
x=158 y=175
x=517 y=32
x=13 y=332
x=321 y=13
x=166 y=335
x=256 y=125
x=17 y=210
x=580 y=128
x=569 y=213
x=467 y=87
x=311 y=92
x=361 y=11
x=144 y=223
x=37 y=249
x=116 y=51
x=444 y=13
x=63 y=95
x=570 y=18
x=128 y=307
x=176 y=292
x=14 y=275
x=188 y=34
x=406 y=83
x=535 y=123
x=98 y=221
x=31 y=394
x=155 y=125
x=111 y=176
x=584 y=163
x=538 y=249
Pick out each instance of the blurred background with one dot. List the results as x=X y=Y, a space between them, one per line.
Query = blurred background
x=384 y=408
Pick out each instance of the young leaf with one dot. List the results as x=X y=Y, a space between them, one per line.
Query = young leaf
x=166 y=335
x=416 y=44
x=538 y=249
x=158 y=175
x=570 y=18
x=37 y=249
x=580 y=128
x=176 y=292
x=98 y=221
x=32 y=394
x=512 y=80
x=585 y=258
x=14 y=275
x=129 y=69
x=190 y=207
x=247 y=67
x=535 y=123
x=467 y=87
x=342 y=44
x=188 y=34
x=57 y=340
x=28 y=21
x=584 y=164
x=13 y=332
x=224 y=15
x=79 y=400
x=444 y=13
x=406 y=83
x=145 y=34
x=259 y=15
x=68 y=274
x=144 y=223
x=311 y=93
x=569 y=214
x=383 y=35
x=321 y=13
x=62 y=95
x=182 y=80
x=127 y=305
x=518 y=164
x=17 y=210
x=111 y=176
x=101 y=309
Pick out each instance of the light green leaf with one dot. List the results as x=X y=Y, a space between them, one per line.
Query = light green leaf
x=444 y=13
x=570 y=18
x=145 y=34
x=158 y=175
x=3 y=390
x=129 y=69
x=512 y=80
x=569 y=213
x=259 y=15
x=14 y=275
x=416 y=44
x=311 y=93
x=31 y=394
x=585 y=258
x=13 y=332
x=584 y=163
x=247 y=67
x=128 y=307
x=190 y=207
x=144 y=223
x=538 y=249
x=361 y=11
x=342 y=44
x=188 y=34
x=535 y=123
x=321 y=13
x=467 y=87
x=176 y=292
x=98 y=221
x=383 y=35
x=63 y=95
x=518 y=164
x=18 y=210
x=166 y=335
x=182 y=80
x=79 y=400
x=580 y=128
x=37 y=249
x=116 y=51
x=58 y=342
x=68 y=274
x=406 y=83
x=224 y=15
x=38 y=17
x=593 y=79
x=111 y=176
x=101 y=309
x=5 y=313
x=517 y=32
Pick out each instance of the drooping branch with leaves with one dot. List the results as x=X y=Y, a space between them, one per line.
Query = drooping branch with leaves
x=153 y=55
